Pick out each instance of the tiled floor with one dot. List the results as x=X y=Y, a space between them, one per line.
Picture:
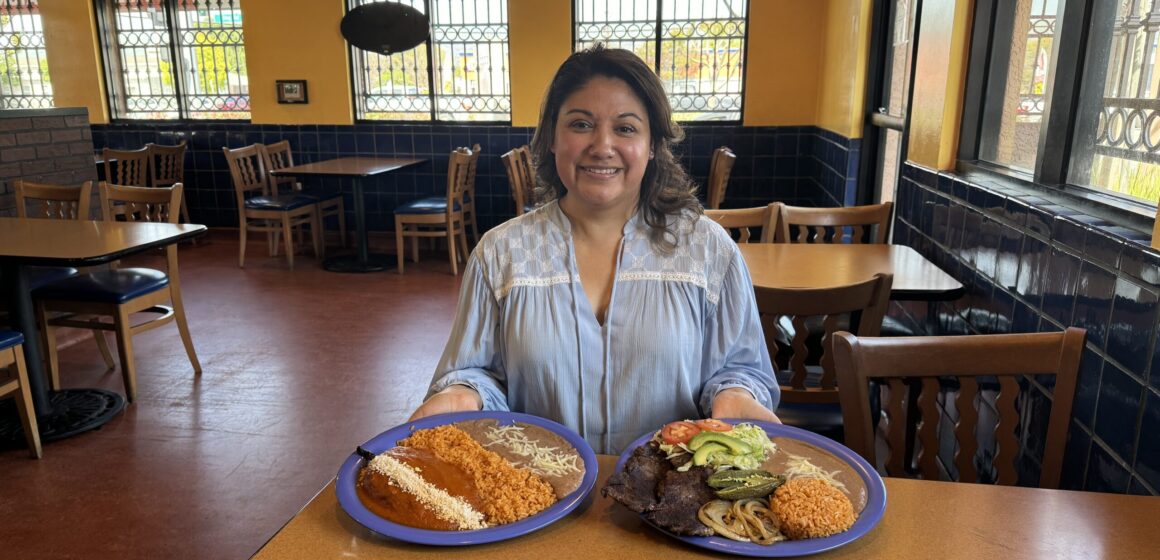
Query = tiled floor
x=299 y=367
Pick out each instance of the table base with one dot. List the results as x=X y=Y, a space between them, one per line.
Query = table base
x=351 y=263
x=73 y=411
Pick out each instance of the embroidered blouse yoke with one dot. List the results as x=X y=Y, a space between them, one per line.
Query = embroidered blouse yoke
x=679 y=329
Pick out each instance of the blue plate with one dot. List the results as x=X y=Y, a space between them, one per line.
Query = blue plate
x=348 y=476
x=870 y=516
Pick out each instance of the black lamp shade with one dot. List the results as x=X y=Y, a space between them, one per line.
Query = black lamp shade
x=385 y=28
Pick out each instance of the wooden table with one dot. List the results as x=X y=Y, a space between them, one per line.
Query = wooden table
x=800 y=265
x=923 y=520
x=358 y=168
x=26 y=242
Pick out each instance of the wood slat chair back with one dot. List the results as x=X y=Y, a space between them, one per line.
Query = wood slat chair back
x=142 y=204
x=60 y=202
x=469 y=217
x=741 y=220
x=802 y=384
x=720 y=167
x=127 y=167
x=278 y=214
x=1033 y=371
x=167 y=167
x=440 y=217
x=279 y=156
x=864 y=224
x=518 y=163
x=248 y=171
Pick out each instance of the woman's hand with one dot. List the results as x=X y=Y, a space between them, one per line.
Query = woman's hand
x=455 y=398
x=736 y=402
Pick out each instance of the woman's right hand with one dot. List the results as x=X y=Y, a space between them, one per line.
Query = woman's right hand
x=455 y=398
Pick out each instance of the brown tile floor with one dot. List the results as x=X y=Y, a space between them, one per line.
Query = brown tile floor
x=299 y=367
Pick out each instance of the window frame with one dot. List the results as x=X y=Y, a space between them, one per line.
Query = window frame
x=108 y=59
x=433 y=119
x=1074 y=20
x=655 y=64
x=50 y=95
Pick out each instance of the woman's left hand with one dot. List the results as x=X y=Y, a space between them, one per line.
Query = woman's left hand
x=736 y=402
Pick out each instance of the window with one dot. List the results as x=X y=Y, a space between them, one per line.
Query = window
x=175 y=59
x=697 y=48
x=24 y=82
x=1071 y=96
x=465 y=80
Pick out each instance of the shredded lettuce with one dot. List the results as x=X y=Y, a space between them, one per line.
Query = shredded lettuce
x=753 y=435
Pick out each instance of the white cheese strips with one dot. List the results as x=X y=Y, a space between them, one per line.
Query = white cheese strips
x=542 y=460
x=445 y=506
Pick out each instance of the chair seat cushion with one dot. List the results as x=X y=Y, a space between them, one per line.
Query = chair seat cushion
x=320 y=194
x=280 y=202
x=105 y=286
x=433 y=205
x=9 y=339
x=41 y=275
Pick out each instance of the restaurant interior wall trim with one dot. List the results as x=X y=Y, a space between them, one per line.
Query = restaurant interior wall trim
x=73 y=54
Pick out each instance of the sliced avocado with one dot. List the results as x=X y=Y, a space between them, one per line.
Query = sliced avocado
x=702 y=455
x=736 y=446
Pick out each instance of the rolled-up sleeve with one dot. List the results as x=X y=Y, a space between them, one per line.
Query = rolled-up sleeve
x=472 y=354
x=735 y=353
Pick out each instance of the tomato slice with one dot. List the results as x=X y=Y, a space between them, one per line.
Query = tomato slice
x=679 y=432
x=713 y=425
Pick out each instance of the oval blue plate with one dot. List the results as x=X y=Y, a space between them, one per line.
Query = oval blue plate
x=870 y=516
x=348 y=476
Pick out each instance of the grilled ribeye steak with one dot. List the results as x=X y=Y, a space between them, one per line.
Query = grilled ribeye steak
x=635 y=486
x=681 y=495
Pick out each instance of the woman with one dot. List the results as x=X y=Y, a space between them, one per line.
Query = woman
x=616 y=307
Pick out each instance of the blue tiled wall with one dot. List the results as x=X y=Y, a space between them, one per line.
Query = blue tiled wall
x=1032 y=266
x=806 y=166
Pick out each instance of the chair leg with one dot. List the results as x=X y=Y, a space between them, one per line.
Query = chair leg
x=103 y=346
x=242 y=245
x=318 y=235
x=183 y=329
x=415 y=247
x=342 y=221
x=399 y=244
x=474 y=229
x=466 y=251
x=24 y=404
x=125 y=349
x=48 y=342
x=289 y=240
x=453 y=251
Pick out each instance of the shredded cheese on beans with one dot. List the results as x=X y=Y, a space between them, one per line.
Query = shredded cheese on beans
x=542 y=460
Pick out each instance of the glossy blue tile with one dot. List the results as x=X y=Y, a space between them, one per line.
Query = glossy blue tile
x=1039 y=221
x=1087 y=388
x=986 y=254
x=1069 y=232
x=1118 y=410
x=1133 y=323
x=1075 y=458
x=1059 y=286
x=1141 y=263
x=1104 y=472
x=1093 y=302
x=1008 y=258
x=1148 y=454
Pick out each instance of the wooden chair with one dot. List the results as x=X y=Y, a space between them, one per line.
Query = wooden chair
x=521 y=177
x=869 y=224
x=809 y=394
x=127 y=167
x=416 y=219
x=469 y=196
x=720 y=167
x=741 y=219
x=910 y=368
x=120 y=292
x=167 y=168
x=330 y=203
x=14 y=381
x=265 y=212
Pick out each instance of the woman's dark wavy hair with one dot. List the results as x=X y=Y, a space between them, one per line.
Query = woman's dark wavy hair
x=666 y=189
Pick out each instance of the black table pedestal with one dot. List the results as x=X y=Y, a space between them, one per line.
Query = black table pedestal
x=362 y=260
x=72 y=411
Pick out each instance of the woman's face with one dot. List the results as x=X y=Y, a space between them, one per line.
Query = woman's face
x=602 y=145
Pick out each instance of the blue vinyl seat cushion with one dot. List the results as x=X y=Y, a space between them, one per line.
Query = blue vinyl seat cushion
x=433 y=205
x=9 y=339
x=105 y=286
x=280 y=202
x=41 y=275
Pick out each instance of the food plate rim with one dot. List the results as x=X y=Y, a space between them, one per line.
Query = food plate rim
x=869 y=518
x=348 y=474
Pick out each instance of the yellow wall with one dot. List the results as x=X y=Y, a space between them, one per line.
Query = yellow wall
x=940 y=74
x=845 y=48
x=782 y=74
x=74 y=61
x=297 y=40
x=540 y=37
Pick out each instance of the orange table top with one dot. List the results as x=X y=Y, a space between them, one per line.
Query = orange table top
x=349 y=166
x=84 y=242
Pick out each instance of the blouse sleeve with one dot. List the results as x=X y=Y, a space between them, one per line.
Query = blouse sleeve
x=472 y=356
x=735 y=351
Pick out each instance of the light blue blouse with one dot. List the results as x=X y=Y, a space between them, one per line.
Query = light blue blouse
x=679 y=329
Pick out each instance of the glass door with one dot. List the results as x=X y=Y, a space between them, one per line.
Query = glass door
x=888 y=98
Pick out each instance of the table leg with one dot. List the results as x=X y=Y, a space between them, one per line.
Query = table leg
x=363 y=261
x=59 y=414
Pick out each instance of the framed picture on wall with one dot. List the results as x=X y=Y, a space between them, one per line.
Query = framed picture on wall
x=292 y=91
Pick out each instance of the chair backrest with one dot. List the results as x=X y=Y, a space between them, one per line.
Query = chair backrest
x=141 y=204
x=127 y=167
x=472 y=168
x=458 y=168
x=741 y=219
x=279 y=156
x=248 y=171
x=166 y=164
x=910 y=369
x=867 y=300
x=518 y=163
x=52 y=201
x=869 y=224
x=720 y=167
